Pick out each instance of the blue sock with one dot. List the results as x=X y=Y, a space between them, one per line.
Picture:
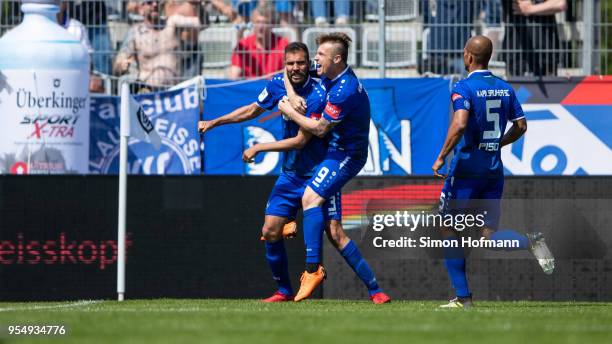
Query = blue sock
x=454 y=260
x=314 y=224
x=277 y=259
x=354 y=258
x=508 y=234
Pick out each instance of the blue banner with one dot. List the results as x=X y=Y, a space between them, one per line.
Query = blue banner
x=408 y=127
x=569 y=128
x=174 y=114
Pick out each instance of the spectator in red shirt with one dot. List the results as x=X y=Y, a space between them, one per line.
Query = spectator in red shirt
x=260 y=53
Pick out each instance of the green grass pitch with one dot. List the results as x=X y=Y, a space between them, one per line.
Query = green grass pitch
x=313 y=322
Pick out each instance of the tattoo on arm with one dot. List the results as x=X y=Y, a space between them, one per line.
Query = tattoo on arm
x=323 y=127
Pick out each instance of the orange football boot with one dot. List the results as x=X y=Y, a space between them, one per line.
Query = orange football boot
x=289 y=231
x=309 y=281
x=380 y=298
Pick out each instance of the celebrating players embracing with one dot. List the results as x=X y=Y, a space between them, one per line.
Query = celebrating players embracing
x=346 y=119
x=302 y=154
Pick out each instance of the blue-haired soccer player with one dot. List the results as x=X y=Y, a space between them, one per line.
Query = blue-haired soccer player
x=346 y=120
x=302 y=155
x=482 y=104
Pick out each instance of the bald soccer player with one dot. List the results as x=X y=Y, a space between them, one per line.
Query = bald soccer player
x=482 y=104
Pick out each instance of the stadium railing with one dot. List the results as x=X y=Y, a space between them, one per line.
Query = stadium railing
x=421 y=37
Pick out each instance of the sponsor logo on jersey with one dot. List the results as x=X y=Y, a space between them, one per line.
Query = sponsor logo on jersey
x=332 y=110
x=456 y=96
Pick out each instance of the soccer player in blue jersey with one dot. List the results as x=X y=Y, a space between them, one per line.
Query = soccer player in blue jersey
x=346 y=120
x=302 y=154
x=482 y=104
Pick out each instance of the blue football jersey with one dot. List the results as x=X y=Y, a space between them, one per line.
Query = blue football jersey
x=300 y=162
x=491 y=103
x=348 y=105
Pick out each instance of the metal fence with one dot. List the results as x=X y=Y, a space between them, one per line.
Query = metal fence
x=160 y=43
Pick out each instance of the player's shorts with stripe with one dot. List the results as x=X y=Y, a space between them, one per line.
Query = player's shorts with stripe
x=473 y=196
x=334 y=172
x=286 y=198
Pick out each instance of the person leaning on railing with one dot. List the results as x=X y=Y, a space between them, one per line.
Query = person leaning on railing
x=450 y=24
x=149 y=51
x=531 y=42
x=190 y=59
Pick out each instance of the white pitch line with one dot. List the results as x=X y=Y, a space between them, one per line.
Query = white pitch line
x=33 y=308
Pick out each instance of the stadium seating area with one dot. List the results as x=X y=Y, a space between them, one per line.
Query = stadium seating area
x=422 y=37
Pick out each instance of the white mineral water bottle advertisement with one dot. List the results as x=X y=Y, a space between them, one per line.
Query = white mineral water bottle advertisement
x=44 y=116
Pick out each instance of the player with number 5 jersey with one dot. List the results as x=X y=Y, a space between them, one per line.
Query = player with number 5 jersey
x=483 y=104
x=491 y=103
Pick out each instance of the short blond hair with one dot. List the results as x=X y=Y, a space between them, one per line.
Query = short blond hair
x=340 y=39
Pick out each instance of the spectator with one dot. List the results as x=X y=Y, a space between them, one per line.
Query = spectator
x=261 y=53
x=223 y=8
x=244 y=8
x=78 y=30
x=450 y=24
x=492 y=10
x=531 y=40
x=190 y=60
x=132 y=7
x=284 y=8
x=320 y=11
x=187 y=8
x=151 y=50
x=74 y=27
x=96 y=84
x=93 y=14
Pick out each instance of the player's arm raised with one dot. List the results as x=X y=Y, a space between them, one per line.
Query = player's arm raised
x=319 y=127
x=241 y=114
x=296 y=142
x=455 y=132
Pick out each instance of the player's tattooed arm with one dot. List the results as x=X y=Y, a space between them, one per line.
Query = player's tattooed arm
x=298 y=103
x=241 y=114
x=296 y=142
x=319 y=128
x=519 y=127
x=455 y=132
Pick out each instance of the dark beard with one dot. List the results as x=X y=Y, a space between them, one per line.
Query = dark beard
x=304 y=75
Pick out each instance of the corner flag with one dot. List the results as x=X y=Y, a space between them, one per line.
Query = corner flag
x=133 y=123
x=140 y=126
